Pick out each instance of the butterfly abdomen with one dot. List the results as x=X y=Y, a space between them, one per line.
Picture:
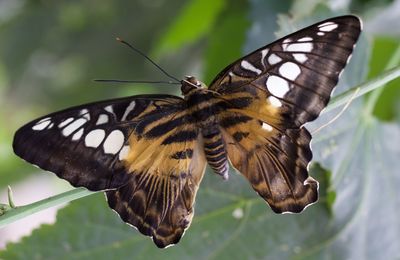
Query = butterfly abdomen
x=215 y=151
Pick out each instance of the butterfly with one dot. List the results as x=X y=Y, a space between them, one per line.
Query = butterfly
x=149 y=152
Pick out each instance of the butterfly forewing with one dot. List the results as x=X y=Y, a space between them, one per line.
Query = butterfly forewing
x=289 y=82
x=86 y=145
x=299 y=71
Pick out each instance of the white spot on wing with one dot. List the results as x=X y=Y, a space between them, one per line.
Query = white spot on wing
x=267 y=127
x=73 y=126
x=109 y=109
x=124 y=152
x=41 y=125
x=130 y=107
x=305 y=39
x=298 y=47
x=300 y=57
x=85 y=113
x=77 y=135
x=327 y=27
x=114 y=142
x=263 y=55
x=94 y=138
x=103 y=118
x=274 y=59
x=65 y=122
x=325 y=24
x=248 y=66
x=274 y=101
x=320 y=33
x=43 y=119
x=289 y=70
x=277 y=86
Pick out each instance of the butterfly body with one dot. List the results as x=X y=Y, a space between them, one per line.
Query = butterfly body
x=149 y=152
x=204 y=106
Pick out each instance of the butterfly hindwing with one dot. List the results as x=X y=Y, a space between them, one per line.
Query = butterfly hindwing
x=286 y=83
x=273 y=160
x=159 y=196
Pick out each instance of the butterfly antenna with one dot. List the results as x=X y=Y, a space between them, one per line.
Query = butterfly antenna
x=136 y=81
x=339 y=114
x=148 y=58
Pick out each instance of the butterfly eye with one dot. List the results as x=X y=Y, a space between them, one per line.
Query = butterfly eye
x=189 y=83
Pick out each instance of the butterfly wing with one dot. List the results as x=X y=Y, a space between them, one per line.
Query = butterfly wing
x=167 y=163
x=284 y=84
x=299 y=71
x=142 y=149
x=85 y=144
x=274 y=160
x=166 y=166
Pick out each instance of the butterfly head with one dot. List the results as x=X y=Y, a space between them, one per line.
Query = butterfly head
x=189 y=84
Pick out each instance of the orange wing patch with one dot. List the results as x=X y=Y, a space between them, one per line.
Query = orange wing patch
x=165 y=175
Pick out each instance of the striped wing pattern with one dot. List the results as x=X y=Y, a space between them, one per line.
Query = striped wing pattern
x=149 y=152
x=289 y=82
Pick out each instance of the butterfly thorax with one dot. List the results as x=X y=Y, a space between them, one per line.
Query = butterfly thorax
x=203 y=108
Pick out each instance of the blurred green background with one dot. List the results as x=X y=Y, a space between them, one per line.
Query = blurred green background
x=50 y=52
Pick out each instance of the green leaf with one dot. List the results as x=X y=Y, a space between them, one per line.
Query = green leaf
x=361 y=153
x=194 y=21
x=388 y=105
x=226 y=39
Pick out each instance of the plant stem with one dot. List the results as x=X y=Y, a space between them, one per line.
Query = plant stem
x=19 y=212
x=365 y=87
